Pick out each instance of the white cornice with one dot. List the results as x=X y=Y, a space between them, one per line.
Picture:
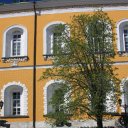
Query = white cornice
x=25 y=68
x=65 y=10
x=45 y=66
x=20 y=14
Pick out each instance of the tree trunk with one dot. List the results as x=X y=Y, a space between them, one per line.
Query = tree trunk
x=99 y=122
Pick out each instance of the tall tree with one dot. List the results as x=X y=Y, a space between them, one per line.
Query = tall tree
x=82 y=57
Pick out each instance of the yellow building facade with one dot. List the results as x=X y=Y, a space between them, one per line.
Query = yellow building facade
x=17 y=69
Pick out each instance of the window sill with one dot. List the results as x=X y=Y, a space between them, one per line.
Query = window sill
x=20 y=116
x=48 y=56
x=14 y=60
x=10 y=59
x=122 y=53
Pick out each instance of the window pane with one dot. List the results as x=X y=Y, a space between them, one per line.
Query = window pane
x=16 y=103
x=14 y=112
x=16 y=44
x=19 y=36
x=14 y=36
x=14 y=109
x=14 y=95
x=18 y=109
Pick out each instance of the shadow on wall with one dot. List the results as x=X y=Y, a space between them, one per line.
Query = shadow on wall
x=3 y=123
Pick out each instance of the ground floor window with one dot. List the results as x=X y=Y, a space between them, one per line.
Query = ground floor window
x=15 y=98
x=16 y=103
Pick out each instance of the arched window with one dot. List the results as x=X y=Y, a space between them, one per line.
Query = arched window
x=15 y=44
x=122 y=33
x=48 y=93
x=15 y=99
x=49 y=90
x=49 y=37
x=124 y=93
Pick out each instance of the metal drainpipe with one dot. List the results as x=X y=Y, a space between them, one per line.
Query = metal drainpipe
x=34 y=65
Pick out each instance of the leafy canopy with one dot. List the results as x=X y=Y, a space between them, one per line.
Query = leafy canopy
x=82 y=55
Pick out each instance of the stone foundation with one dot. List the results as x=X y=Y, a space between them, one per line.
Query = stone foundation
x=75 y=124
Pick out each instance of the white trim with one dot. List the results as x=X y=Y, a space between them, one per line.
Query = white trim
x=26 y=68
x=118 y=33
x=45 y=66
x=45 y=93
x=25 y=96
x=83 y=9
x=25 y=39
x=65 y=10
x=45 y=34
x=9 y=15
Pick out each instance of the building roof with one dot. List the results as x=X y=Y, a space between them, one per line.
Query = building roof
x=50 y=4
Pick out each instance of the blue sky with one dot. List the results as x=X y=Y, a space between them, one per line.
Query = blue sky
x=11 y=1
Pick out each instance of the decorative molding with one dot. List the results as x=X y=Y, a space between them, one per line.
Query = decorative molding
x=48 y=56
x=20 y=14
x=14 y=60
x=7 y=117
x=122 y=53
x=24 y=45
x=45 y=94
x=30 y=67
x=25 y=96
x=64 y=10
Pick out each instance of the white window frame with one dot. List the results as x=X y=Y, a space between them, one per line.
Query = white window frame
x=46 y=94
x=16 y=106
x=120 y=35
x=45 y=44
x=16 y=42
x=24 y=98
x=24 y=44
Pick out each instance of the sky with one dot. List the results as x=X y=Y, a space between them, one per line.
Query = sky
x=11 y=1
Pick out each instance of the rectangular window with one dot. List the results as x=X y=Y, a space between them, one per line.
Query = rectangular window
x=16 y=103
x=56 y=40
x=16 y=45
x=126 y=39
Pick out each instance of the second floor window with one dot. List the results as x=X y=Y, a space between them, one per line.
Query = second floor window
x=126 y=39
x=50 y=38
x=16 y=44
x=122 y=36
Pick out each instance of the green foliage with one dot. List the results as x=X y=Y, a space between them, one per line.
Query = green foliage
x=60 y=113
x=82 y=58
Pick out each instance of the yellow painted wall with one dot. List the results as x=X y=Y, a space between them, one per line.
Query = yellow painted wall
x=25 y=76
x=43 y=20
